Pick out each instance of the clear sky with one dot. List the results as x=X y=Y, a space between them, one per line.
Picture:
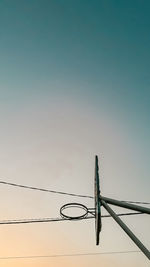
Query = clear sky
x=74 y=82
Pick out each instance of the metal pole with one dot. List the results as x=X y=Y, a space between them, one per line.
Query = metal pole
x=126 y=229
x=125 y=205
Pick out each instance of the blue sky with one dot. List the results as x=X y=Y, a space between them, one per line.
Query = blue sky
x=74 y=82
x=101 y=48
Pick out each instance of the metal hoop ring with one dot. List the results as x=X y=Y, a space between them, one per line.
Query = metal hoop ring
x=73 y=205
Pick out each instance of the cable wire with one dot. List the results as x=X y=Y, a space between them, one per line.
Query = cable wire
x=44 y=190
x=24 y=221
x=62 y=193
x=69 y=255
x=43 y=220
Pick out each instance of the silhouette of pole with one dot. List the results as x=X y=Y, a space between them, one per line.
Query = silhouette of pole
x=125 y=205
x=126 y=229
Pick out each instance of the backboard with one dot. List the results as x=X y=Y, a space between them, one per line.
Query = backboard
x=98 y=223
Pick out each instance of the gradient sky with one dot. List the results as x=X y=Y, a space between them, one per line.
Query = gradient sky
x=74 y=82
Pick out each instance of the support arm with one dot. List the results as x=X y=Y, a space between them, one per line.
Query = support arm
x=126 y=229
x=125 y=205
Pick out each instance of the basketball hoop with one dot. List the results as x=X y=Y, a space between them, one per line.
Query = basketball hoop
x=74 y=205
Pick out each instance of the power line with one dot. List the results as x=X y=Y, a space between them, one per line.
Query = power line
x=24 y=221
x=62 y=193
x=43 y=220
x=123 y=214
x=44 y=190
x=69 y=255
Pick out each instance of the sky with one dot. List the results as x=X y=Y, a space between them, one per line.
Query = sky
x=74 y=83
